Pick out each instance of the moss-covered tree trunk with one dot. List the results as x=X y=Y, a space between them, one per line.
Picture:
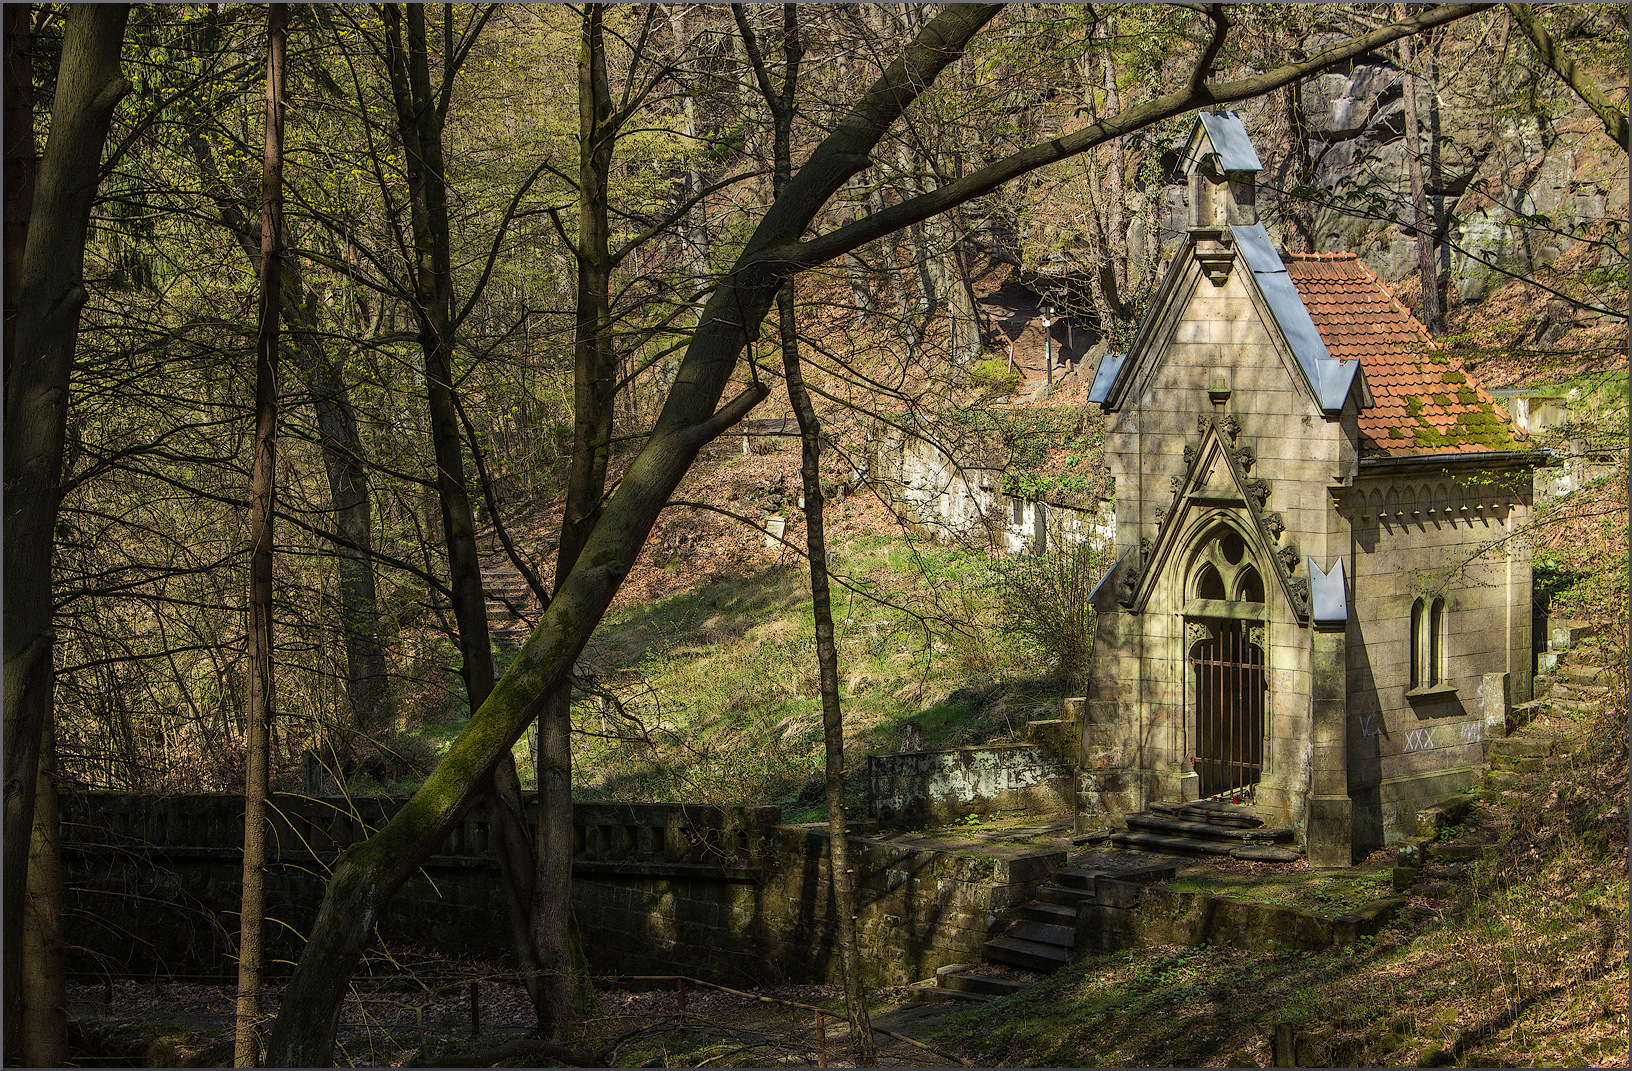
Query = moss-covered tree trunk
x=50 y=294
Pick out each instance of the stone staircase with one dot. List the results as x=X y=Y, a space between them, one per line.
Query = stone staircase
x=1541 y=730
x=1058 y=736
x=1083 y=908
x=1571 y=690
x=511 y=608
x=1206 y=827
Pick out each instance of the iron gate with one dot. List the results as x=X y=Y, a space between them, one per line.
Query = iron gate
x=1229 y=691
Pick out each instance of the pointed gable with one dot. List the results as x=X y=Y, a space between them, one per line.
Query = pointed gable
x=1425 y=401
x=1330 y=378
x=1216 y=479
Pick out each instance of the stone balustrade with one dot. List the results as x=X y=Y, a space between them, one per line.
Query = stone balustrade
x=619 y=837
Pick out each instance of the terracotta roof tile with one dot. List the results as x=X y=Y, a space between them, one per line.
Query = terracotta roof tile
x=1426 y=401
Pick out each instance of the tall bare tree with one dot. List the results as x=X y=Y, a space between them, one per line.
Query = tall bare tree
x=421 y=106
x=262 y=484
x=840 y=873
x=1424 y=224
x=50 y=294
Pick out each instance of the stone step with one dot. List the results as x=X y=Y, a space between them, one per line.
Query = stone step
x=1558 y=705
x=1145 y=823
x=1031 y=955
x=931 y=993
x=1045 y=933
x=1527 y=746
x=1072 y=877
x=1564 y=634
x=1158 y=842
x=1501 y=779
x=1268 y=853
x=1578 y=690
x=1062 y=896
x=1582 y=674
x=1055 y=913
x=983 y=984
x=1209 y=811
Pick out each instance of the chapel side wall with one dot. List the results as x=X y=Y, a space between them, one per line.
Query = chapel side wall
x=1414 y=537
x=1298 y=451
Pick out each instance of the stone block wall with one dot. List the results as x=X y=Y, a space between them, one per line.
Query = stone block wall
x=961 y=498
x=722 y=893
x=915 y=787
x=1421 y=538
x=917 y=910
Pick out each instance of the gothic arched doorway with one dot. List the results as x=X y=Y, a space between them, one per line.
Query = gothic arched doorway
x=1224 y=637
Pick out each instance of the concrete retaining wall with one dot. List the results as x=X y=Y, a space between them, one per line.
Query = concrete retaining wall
x=913 y=787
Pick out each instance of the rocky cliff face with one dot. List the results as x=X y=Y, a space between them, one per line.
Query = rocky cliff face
x=1517 y=170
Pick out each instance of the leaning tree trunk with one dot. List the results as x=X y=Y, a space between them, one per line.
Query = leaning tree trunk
x=50 y=294
x=262 y=478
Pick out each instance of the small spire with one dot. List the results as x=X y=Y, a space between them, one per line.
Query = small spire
x=1222 y=168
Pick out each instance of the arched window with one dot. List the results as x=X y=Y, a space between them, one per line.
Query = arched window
x=1416 y=644
x=1427 y=643
x=1436 y=642
x=1223 y=571
x=1209 y=585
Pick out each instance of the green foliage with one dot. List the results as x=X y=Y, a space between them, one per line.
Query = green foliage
x=994 y=376
x=1045 y=600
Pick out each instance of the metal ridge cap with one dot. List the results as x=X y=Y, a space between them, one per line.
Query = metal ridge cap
x=1500 y=457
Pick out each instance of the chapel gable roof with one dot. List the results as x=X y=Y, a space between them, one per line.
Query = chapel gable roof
x=1425 y=400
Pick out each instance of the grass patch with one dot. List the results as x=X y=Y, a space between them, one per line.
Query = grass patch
x=713 y=694
x=1325 y=892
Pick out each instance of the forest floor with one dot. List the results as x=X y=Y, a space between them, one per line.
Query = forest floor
x=1515 y=957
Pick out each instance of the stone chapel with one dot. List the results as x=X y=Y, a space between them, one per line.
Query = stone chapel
x=1320 y=606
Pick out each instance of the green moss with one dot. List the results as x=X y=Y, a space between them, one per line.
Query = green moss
x=1454 y=377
